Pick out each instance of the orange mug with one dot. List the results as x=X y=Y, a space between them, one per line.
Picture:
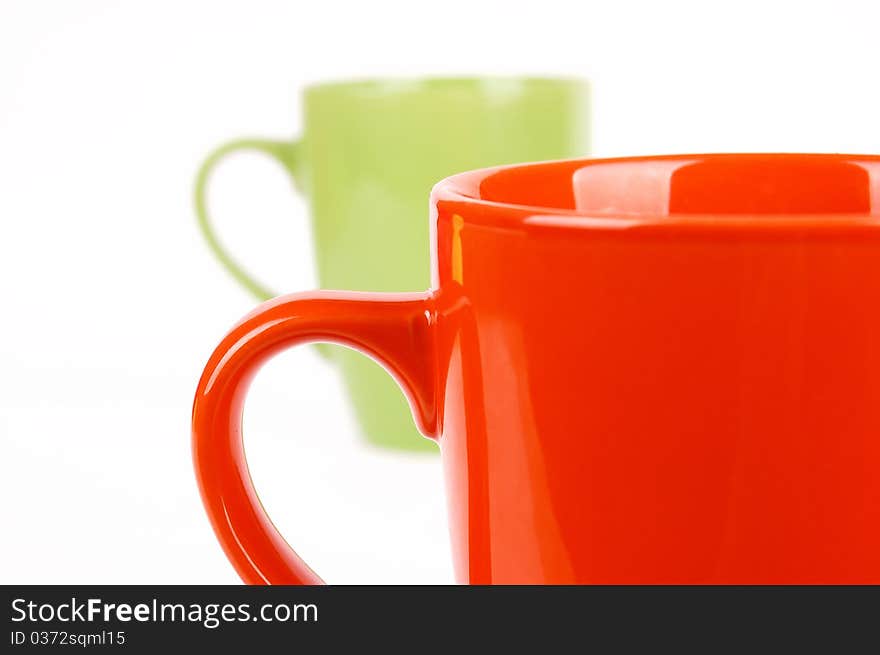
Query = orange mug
x=659 y=370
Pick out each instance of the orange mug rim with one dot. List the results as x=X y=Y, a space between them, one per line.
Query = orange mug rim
x=466 y=187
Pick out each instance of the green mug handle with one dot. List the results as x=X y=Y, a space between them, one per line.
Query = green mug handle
x=284 y=152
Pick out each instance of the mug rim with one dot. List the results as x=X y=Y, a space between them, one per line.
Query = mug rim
x=462 y=188
x=396 y=85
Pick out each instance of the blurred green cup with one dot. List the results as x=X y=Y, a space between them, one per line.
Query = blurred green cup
x=369 y=154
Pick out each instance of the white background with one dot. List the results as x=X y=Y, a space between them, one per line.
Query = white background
x=111 y=304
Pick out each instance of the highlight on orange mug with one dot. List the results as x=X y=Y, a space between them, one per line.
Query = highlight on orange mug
x=658 y=370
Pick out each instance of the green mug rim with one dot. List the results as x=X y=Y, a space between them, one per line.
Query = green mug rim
x=405 y=84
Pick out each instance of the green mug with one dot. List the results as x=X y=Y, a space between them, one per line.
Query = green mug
x=369 y=155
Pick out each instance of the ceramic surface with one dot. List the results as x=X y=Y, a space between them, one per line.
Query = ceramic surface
x=657 y=370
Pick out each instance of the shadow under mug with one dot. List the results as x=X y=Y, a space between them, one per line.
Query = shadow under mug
x=369 y=155
x=652 y=370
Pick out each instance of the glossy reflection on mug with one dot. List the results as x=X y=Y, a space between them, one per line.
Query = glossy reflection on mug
x=651 y=370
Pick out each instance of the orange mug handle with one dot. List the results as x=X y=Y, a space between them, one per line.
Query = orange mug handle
x=395 y=329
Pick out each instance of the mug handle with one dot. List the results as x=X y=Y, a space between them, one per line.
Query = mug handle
x=395 y=329
x=284 y=152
